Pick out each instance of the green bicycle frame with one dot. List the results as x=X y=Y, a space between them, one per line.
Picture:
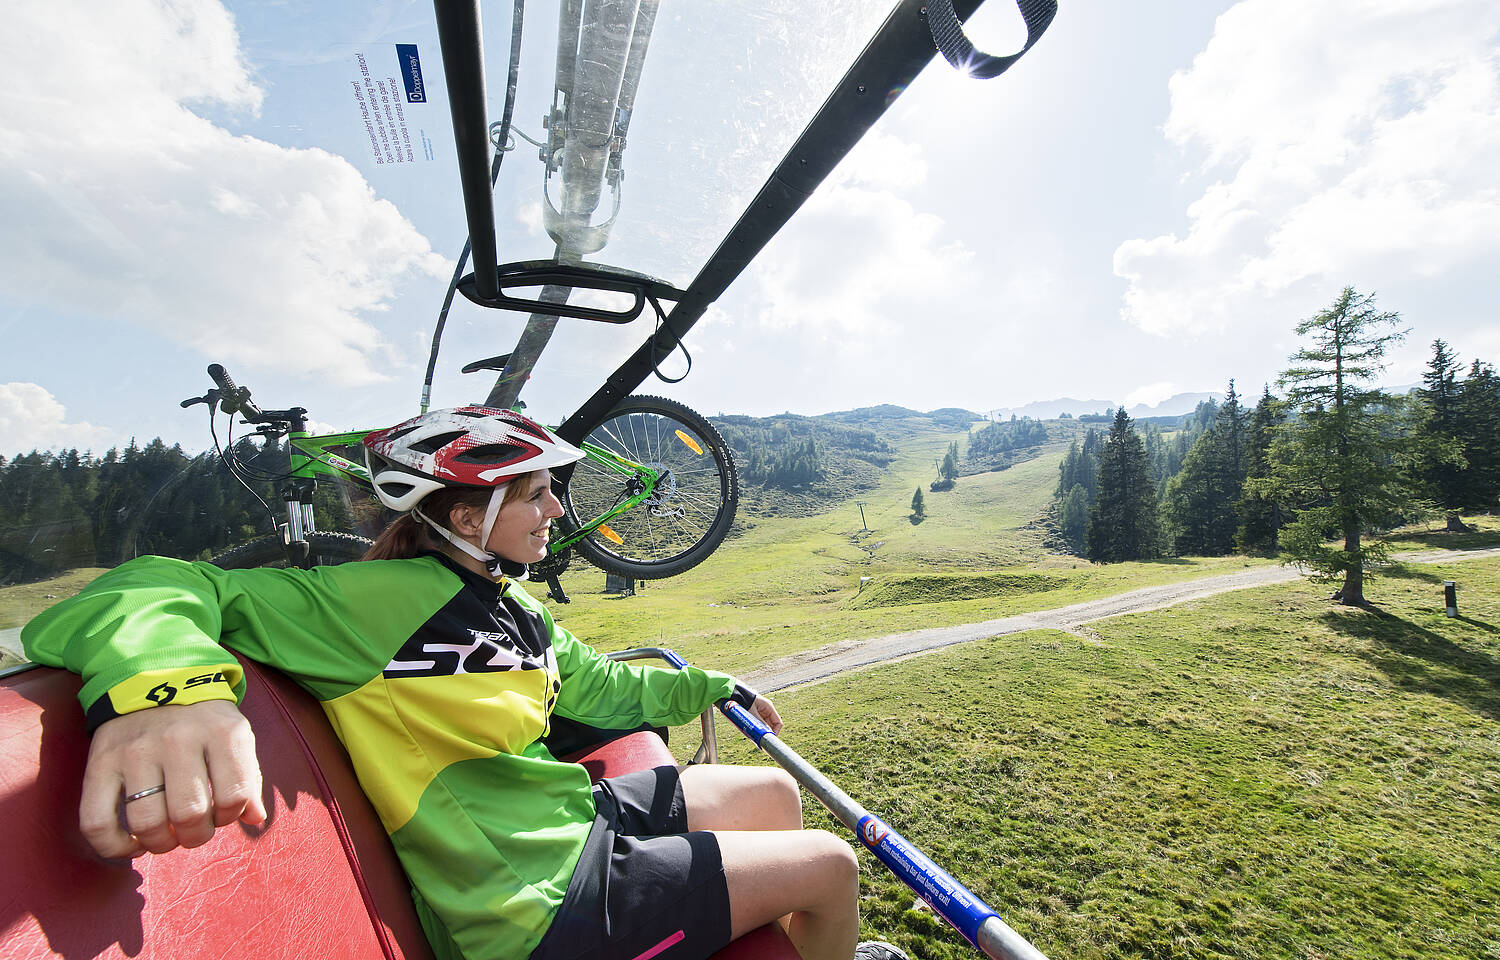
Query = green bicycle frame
x=313 y=456
x=640 y=485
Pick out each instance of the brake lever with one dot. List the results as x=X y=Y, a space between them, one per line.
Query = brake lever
x=211 y=398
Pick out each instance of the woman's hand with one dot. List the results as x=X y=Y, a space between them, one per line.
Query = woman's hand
x=766 y=711
x=203 y=754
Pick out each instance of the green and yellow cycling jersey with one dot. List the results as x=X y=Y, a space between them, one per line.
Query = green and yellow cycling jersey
x=440 y=683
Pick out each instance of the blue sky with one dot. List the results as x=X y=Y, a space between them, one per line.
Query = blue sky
x=1145 y=205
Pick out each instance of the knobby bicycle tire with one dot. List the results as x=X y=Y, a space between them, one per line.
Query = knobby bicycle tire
x=693 y=508
x=324 y=549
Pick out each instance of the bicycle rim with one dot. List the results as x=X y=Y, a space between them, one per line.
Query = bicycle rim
x=689 y=513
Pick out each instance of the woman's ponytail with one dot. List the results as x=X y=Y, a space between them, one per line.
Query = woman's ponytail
x=399 y=541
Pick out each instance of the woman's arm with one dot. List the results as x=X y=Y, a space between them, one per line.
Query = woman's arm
x=160 y=691
x=607 y=693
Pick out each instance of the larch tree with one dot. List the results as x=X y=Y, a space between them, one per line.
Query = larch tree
x=1336 y=462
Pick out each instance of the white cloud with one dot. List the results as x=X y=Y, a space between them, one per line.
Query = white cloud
x=863 y=258
x=1360 y=149
x=882 y=161
x=32 y=419
x=1151 y=394
x=138 y=208
x=853 y=268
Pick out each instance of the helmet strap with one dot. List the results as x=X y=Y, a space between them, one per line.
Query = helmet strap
x=492 y=562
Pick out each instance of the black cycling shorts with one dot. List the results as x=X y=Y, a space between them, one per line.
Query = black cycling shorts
x=644 y=888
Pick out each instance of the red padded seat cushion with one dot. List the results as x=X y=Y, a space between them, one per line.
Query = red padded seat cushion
x=319 y=878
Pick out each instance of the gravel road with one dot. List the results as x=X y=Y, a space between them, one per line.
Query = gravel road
x=814 y=665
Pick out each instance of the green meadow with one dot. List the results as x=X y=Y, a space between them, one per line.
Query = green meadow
x=1257 y=774
x=788 y=584
x=1254 y=774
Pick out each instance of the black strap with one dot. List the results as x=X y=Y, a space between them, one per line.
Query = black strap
x=948 y=34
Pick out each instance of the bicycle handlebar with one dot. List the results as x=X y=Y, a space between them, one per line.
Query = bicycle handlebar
x=233 y=398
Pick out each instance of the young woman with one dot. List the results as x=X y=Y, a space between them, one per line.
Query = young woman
x=440 y=675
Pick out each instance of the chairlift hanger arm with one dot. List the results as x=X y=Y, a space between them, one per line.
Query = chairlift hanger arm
x=900 y=49
x=463 y=64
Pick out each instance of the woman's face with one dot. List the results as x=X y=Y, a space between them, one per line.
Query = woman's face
x=520 y=532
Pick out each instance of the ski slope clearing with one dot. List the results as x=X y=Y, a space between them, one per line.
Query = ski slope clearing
x=813 y=666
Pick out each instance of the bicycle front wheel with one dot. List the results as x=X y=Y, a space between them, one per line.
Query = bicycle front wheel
x=324 y=549
x=689 y=512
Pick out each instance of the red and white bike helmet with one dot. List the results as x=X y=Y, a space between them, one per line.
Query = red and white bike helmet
x=461 y=447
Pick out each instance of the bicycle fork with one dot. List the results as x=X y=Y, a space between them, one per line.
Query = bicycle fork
x=297 y=492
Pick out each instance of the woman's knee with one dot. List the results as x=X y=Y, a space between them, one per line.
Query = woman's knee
x=771 y=874
x=786 y=795
x=835 y=858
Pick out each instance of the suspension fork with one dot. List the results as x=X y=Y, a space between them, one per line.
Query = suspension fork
x=297 y=492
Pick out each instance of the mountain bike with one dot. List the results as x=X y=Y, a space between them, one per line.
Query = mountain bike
x=653 y=496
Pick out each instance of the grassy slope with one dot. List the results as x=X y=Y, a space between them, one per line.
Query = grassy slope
x=790 y=584
x=22 y=602
x=1252 y=775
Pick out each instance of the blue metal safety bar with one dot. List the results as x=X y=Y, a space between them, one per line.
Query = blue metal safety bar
x=954 y=902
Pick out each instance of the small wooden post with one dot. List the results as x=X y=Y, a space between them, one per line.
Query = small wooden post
x=1450 y=595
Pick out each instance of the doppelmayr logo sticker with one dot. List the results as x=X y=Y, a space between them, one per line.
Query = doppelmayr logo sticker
x=411 y=72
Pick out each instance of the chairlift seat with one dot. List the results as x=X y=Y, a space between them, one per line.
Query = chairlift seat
x=320 y=875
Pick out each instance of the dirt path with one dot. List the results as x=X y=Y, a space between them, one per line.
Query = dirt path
x=813 y=666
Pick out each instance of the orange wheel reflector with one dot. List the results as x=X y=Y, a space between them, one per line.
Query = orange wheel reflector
x=692 y=444
x=610 y=535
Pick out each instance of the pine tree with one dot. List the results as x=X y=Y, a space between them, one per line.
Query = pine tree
x=1080 y=467
x=1073 y=500
x=1260 y=515
x=1123 y=524
x=918 y=508
x=1441 y=466
x=1479 y=432
x=1199 y=503
x=949 y=469
x=1335 y=463
x=1073 y=518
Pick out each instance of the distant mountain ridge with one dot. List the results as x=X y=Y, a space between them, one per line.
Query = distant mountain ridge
x=1173 y=406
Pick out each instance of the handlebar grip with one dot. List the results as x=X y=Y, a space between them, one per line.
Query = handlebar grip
x=221 y=377
x=235 y=399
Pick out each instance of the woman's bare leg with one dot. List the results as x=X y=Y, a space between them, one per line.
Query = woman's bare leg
x=726 y=797
x=808 y=880
x=808 y=876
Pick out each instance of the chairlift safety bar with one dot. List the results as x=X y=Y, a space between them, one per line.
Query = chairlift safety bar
x=954 y=902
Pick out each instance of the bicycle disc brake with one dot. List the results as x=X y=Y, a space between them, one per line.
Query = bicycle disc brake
x=666 y=488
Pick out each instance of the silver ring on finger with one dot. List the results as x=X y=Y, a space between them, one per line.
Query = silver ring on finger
x=148 y=792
